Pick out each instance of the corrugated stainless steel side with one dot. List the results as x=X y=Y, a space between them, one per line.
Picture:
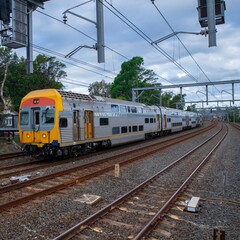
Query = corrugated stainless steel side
x=66 y=135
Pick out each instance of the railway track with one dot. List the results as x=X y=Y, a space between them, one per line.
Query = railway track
x=30 y=167
x=236 y=126
x=11 y=155
x=136 y=213
x=15 y=194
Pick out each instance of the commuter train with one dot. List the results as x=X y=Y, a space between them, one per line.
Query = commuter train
x=62 y=124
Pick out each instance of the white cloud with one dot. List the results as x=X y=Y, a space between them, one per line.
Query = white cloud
x=218 y=63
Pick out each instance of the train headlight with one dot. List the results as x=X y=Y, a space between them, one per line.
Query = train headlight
x=44 y=135
x=28 y=135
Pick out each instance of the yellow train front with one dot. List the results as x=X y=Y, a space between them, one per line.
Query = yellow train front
x=38 y=125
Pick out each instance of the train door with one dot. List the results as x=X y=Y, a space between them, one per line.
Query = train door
x=88 y=124
x=158 y=121
x=187 y=121
x=165 y=121
x=76 y=125
x=35 y=122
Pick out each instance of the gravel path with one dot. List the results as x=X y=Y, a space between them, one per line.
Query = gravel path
x=47 y=217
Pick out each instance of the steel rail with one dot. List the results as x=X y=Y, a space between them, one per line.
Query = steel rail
x=91 y=219
x=165 y=144
x=76 y=180
x=172 y=199
x=11 y=155
x=56 y=163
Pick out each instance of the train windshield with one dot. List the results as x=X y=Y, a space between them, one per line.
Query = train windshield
x=48 y=116
x=24 y=118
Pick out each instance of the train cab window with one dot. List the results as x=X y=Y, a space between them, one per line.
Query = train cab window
x=135 y=128
x=115 y=108
x=124 y=129
x=140 y=110
x=48 y=116
x=37 y=118
x=134 y=109
x=123 y=109
x=63 y=123
x=151 y=120
x=129 y=109
x=146 y=120
x=24 y=118
x=103 y=121
x=115 y=130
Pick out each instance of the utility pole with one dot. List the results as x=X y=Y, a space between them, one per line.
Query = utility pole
x=211 y=23
x=99 y=23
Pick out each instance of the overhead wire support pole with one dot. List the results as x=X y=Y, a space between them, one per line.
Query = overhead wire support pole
x=100 y=31
x=233 y=92
x=99 y=25
x=211 y=23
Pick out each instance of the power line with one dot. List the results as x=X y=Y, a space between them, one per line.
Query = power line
x=145 y=37
x=56 y=19
x=70 y=63
x=182 y=43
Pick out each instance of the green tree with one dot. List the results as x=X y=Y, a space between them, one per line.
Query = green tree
x=7 y=58
x=132 y=75
x=47 y=73
x=100 y=89
x=191 y=108
x=176 y=101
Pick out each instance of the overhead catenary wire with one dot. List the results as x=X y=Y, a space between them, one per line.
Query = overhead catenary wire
x=134 y=28
x=86 y=35
x=129 y=23
x=71 y=63
x=153 y=2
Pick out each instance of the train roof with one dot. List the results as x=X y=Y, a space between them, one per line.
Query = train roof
x=85 y=97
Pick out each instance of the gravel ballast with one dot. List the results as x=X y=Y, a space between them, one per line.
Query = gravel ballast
x=47 y=217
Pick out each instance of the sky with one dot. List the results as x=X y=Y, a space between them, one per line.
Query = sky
x=185 y=58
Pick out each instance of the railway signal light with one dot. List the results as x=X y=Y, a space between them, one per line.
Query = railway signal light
x=5 y=10
x=220 y=7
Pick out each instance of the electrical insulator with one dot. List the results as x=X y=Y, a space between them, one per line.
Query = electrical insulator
x=65 y=18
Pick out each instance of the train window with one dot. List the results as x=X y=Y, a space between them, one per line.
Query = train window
x=24 y=118
x=124 y=129
x=37 y=119
x=151 y=120
x=115 y=130
x=140 y=128
x=48 y=116
x=123 y=109
x=134 y=109
x=63 y=122
x=75 y=117
x=140 y=110
x=115 y=108
x=130 y=129
x=129 y=109
x=154 y=120
x=103 y=121
x=146 y=120
x=135 y=128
